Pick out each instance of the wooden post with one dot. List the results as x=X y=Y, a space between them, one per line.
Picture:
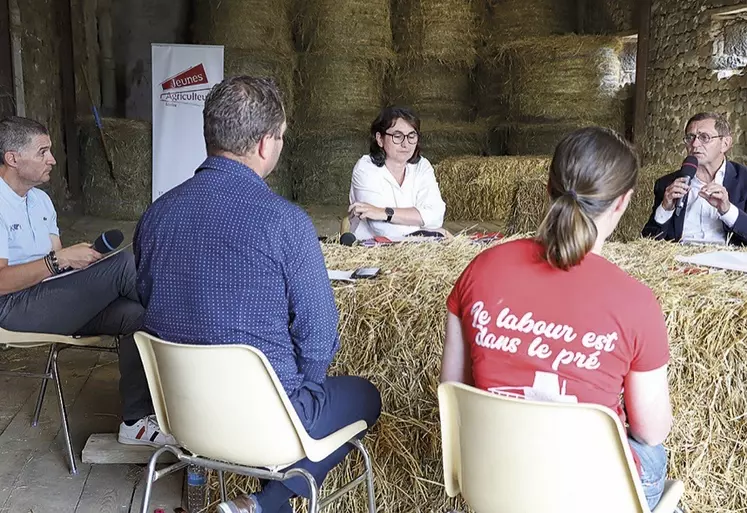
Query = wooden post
x=641 y=85
x=69 y=108
x=7 y=104
x=16 y=29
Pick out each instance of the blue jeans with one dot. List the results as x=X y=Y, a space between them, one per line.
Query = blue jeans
x=653 y=469
x=323 y=409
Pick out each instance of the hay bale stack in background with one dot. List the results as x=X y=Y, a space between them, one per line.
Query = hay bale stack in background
x=608 y=16
x=565 y=79
x=452 y=140
x=347 y=49
x=129 y=144
x=541 y=138
x=255 y=25
x=484 y=188
x=392 y=333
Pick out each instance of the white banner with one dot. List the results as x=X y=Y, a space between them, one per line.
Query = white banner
x=182 y=77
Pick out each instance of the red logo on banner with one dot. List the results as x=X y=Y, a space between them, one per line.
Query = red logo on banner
x=193 y=76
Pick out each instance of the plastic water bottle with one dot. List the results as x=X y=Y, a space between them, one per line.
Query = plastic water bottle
x=196 y=488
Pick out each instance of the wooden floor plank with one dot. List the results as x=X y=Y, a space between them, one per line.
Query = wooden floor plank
x=12 y=465
x=15 y=391
x=166 y=493
x=109 y=489
x=103 y=448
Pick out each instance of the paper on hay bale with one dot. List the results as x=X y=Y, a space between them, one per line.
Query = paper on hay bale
x=484 y=188
x=392 y=333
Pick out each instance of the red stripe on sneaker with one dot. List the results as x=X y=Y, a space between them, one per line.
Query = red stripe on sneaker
x=140 y=433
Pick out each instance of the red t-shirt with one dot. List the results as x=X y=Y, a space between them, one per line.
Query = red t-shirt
x=543 y=333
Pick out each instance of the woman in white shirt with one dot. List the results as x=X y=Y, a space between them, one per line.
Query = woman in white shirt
x=394 y=191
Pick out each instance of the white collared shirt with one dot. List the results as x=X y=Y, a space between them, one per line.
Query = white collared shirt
x=26 y=224
x=702 y=221
x=377 y=186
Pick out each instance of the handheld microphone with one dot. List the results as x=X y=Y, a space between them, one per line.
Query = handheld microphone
x=108 y=241
x=688 y=169
x=347 y=239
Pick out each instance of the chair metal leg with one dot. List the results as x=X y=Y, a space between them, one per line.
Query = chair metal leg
x=222 y=482
x=63 y=414
x=43 y=389
x=150 y=478
x=369 y=474
x=313 y=487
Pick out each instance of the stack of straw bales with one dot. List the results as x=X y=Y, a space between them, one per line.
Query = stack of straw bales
x=347 y=48
x=437 y=41
x=258 y=40
x=129 y=143
x=392 y=333
x=559 y=80
x=485 y=188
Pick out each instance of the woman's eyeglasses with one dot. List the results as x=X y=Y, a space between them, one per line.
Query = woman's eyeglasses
x=399 y=137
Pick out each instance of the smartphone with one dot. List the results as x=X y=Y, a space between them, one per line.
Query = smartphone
x=365 y=273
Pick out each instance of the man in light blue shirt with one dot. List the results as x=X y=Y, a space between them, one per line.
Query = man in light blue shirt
x=100 y=300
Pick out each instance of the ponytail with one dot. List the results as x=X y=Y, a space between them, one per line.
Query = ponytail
x=567 y=233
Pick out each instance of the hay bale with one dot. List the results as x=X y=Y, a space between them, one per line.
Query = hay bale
x=610 y=16
x=436 y=91
x=441 y=30
x=245 y=62
x=563 y=78
x=484 y=188
x=444 y=140
x=392 y=333
x=532 y=201
x=541 y=138
x=492 y=85
x=322 y=165
x=344 y=94
x=129 y=144
x=510 y=20
x=255 y=25
x=353 y=28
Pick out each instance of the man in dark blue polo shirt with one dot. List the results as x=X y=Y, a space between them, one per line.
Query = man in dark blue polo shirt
x=221 y=259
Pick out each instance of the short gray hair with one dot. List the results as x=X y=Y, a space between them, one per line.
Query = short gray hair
x=16 y=133
x=719 y=122
x=239 y=112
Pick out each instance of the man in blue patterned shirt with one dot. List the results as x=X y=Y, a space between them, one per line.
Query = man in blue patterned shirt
x=221 y=259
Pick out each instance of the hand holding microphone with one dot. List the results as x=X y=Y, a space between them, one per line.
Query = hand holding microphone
x=82 y=255
x=675 y=194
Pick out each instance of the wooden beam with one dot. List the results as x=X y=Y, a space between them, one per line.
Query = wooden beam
x=641 y=73
x=7 y=104
x=69 y=108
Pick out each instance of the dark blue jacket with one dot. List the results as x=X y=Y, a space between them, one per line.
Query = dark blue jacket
x=735 y=182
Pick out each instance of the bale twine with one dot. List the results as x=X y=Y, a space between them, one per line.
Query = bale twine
x=255 y=25
x=532 y=203
x=244 y=62
x=129 y=144
x=392 y=333
x=510 y=20
x=442 y=30
x=484 y=188
x=434 y=90
x=341 y=93
x=444 y=140
x=541 y=138
x=355 y=28
x=322 y=165
x=563 y=78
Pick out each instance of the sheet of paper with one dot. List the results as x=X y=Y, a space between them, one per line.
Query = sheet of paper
x=68 y=273
x=730 y=260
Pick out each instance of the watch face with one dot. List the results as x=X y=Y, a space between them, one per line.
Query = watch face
x=389 y=211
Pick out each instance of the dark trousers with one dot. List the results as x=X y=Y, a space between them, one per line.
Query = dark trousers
x=323 y=409
x=100 y=300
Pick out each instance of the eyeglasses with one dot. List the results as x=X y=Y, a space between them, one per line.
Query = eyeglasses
x=703 y=137
x=399 y=137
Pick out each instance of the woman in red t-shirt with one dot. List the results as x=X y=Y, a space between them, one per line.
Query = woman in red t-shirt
x=550 y=319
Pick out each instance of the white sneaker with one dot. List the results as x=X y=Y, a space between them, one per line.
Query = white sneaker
x=241 y=504
x=144 y=432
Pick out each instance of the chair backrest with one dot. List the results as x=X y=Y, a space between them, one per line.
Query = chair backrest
x=223 y=402
x=513 y=455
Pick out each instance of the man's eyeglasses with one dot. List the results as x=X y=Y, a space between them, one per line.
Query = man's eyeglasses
x=703 y=137
x=399 y=137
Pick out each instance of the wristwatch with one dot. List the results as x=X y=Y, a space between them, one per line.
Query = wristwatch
x=389 y=211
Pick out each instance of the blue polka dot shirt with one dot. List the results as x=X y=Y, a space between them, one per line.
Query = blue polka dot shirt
x=221 y=259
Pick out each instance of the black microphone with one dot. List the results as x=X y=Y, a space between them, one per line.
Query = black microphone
x=108 y=241
x=688 y=169
x=347 y=239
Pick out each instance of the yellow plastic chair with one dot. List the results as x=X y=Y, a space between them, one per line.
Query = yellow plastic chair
x=506 y=455
x=57 y=343
x=225 y=405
